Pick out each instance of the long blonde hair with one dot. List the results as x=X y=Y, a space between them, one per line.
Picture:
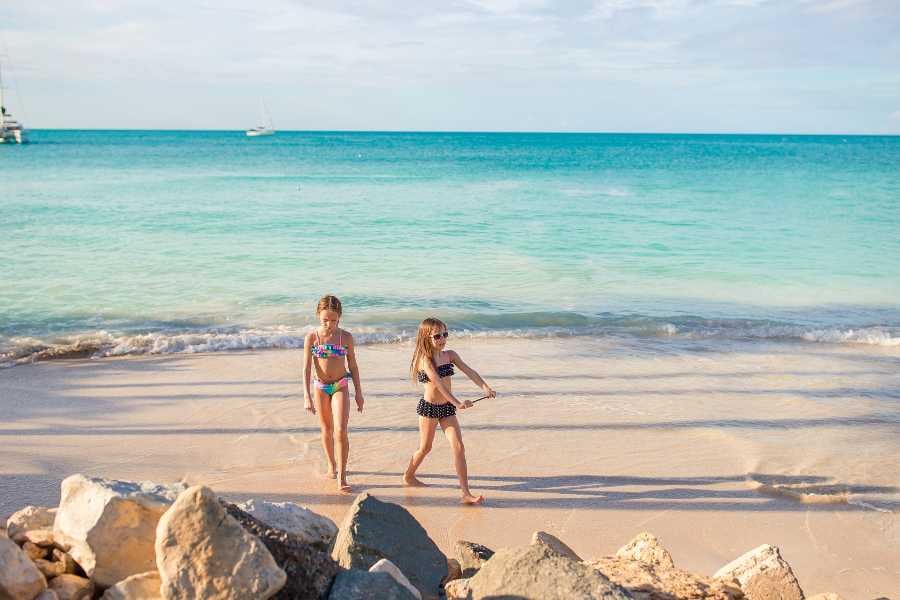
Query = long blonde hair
x=424 y=344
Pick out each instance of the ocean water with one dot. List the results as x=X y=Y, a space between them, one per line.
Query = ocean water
x=121 y=242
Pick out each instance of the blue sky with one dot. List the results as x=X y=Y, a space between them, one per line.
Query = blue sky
x=808 y=66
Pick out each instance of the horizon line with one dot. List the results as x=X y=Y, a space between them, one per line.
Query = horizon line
x=475 y=131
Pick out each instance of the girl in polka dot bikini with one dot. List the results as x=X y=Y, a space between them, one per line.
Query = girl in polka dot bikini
x=330 y=352
x=433 y=365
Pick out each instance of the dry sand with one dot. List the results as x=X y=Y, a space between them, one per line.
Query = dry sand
x=594 y=441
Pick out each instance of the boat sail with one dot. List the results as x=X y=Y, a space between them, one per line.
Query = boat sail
x=261 y=130
x=11 y=131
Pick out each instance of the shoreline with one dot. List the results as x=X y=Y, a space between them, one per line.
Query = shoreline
x=713 y=452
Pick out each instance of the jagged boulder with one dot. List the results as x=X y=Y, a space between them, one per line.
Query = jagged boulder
x=386 y=566
x=373 y=530
x=538 y=573
x=471 y=556
x=763 y=575
x=356 y=584
x=19 y=578
x=309 y=568
x=554 y=543
x=292 y=518
x=202 y=552
x=108 y=526
x=645 y=581
x=646 y=548
x=28 y=518
x=143 y=586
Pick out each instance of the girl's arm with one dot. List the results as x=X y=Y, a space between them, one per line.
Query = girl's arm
x=354 y=371
x=307 y=373
x=436 y=380
x=471 y=374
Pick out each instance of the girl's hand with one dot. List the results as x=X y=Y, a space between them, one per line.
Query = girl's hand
x=466 y=404
x=308 y=405
x=359 y=402
x=490 y=393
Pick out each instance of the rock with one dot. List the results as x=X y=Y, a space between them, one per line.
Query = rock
x=47 y=595
x=386 y=566
x=373 y=530
x=34 y=551
x=309 y=568
x=293 y=518
x=50 y=569
x=454 y=571
x=30 y=517
x=828 y=596
x=645 y=581
x=19 y=578
x=39 y=537
x=108 y=526
x=363 y=585
x=202 y=552
x=143 y=586
x=72 y=587
x=458 y=589
x=763 y=575
x=537 y=572
x=471 y=556
x=67 y=561
x=554 y=543
x=646 y=548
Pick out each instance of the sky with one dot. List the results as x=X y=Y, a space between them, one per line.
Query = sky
x=780 y=66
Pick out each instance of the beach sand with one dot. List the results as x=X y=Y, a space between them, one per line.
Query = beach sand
x=714 y=450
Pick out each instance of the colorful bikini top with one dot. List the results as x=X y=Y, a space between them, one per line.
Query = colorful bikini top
x=329 y=350
x=445 y=370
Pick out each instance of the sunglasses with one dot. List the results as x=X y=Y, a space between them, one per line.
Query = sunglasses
x=439 y=336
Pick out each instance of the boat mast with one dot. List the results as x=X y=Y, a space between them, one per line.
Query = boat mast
x=2 y=108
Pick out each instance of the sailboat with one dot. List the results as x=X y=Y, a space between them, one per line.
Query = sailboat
x=11 y=131
x=261 y=130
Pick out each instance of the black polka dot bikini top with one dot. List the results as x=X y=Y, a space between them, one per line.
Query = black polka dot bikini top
x=444 y=370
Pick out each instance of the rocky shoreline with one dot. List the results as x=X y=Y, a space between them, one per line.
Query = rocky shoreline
x=123 y=540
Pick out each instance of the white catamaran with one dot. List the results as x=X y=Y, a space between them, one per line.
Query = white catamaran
x=11 y=131
x=266 y=129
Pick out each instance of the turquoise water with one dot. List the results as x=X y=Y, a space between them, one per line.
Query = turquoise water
x=154 y=241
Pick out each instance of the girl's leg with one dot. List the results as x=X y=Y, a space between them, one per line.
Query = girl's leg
x=450 y=425
x=323 y=410
x=340 y=403
x=427 y=427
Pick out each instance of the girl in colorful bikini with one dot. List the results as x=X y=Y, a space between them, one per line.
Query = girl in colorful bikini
x=326 y=349
x=433 y=365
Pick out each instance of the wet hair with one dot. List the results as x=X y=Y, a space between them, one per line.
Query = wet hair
x=424 y=344
x=329 y=302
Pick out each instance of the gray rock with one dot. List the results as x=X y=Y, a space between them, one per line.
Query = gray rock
x=309 y=568
x=373 y=530
x=363 y=585
x=554 y=543
x=538 y=573
x=293 y=518
x=763 y=575
x=30 y=517
x=646 y=548
x=386 y=566
x=471 y=556
x=19 y=578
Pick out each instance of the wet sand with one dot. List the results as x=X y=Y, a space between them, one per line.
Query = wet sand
x=713 y=449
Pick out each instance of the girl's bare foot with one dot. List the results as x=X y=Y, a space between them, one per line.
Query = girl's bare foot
x=345 y=487
x=470 y=499
x=412 y=481
x=330 y=475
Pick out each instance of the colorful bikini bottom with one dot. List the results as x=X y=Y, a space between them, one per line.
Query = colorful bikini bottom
x=334 y=386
